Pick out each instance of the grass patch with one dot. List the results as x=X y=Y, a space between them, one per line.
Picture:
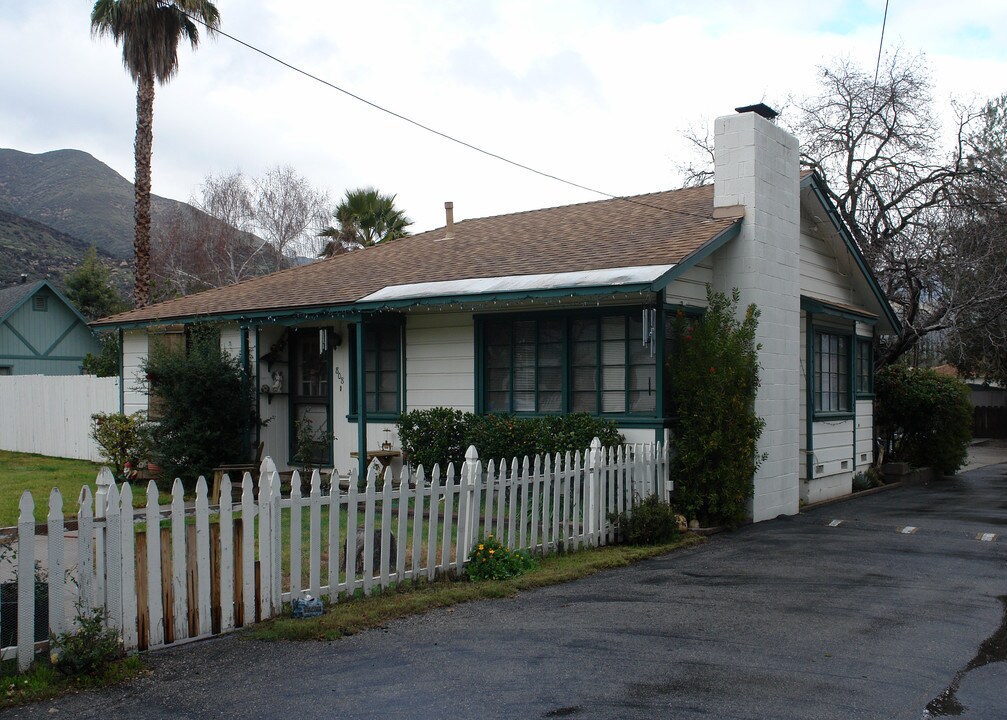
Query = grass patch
x=40 y=474
x=349 y=617
x=42 y=682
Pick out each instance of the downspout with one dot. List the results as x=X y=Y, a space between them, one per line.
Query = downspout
x=809 y=430
x=659 y=360
x=122 y=377
x=361 y=406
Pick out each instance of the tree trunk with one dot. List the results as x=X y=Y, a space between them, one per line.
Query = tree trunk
x=142 y=149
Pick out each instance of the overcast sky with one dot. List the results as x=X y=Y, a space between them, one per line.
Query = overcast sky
x=598 y=92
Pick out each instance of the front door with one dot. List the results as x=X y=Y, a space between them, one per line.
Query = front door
x=311 y=398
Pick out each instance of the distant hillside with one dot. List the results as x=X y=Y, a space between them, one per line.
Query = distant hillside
x=40 y=252
x=76 y=194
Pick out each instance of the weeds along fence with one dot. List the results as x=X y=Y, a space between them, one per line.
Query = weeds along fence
x=173 y=573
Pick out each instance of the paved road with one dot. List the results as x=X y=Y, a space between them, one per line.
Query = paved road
x=794 y=618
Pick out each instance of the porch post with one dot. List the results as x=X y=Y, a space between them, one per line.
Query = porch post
x=361 y=405
x=246 y=380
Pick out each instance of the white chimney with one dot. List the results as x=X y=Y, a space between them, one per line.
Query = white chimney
x=757 y=166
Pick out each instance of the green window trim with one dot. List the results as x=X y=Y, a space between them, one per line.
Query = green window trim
x=384 y=343
x=865 y=367
x=832 y=363
x=533 y=364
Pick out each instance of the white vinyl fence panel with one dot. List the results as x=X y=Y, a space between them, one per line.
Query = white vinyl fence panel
x=174 y=573
x=51 y=414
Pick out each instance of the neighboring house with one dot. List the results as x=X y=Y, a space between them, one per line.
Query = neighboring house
x=41 y=332
x=566 y=309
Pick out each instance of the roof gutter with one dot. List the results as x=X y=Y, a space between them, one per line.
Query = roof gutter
x=349 y=311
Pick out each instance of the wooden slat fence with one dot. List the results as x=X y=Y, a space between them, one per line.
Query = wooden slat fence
x=171 y=574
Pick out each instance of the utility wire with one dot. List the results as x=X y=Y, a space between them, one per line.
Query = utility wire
x=881 y=44
x=434 y=131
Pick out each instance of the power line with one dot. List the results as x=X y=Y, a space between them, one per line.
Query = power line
x=881 y=44
x=432 y=130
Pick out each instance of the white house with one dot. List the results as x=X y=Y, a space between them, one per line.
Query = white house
x=565 y=309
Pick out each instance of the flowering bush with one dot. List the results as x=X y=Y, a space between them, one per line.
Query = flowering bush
x=714 y=373
x=491 y=560
x=124 y=441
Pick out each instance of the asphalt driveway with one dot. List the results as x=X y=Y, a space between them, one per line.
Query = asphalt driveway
x=878 y=607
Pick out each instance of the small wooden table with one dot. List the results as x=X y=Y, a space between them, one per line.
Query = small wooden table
x=384 y=457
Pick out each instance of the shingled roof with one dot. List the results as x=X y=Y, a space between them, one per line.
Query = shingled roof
x=660 y=228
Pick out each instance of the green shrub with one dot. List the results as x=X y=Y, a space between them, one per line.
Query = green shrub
x=90 y=649
x=504 y=437
x=433 y=437
x=106 y=362
x=491 y=560
x=559 y=433
x=714 y=375
x=652 y=522
x=441 y=435
x=204 y=406
x=123 y=440
x=925 y=417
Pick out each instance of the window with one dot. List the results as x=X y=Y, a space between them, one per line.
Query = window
x=832 y=373
x=40 y=303
x=164 y=339
x=865 y=367
x=580 y=363
x=5 y=369
x=311 y=395
x=382 y=370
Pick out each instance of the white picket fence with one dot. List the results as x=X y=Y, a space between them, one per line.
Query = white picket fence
x=194 y=577
x=51 y=414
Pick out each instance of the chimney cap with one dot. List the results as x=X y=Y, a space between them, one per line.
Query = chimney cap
x=759 y=109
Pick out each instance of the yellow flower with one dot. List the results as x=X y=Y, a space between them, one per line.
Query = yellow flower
x=492 y=551
x=480 y=546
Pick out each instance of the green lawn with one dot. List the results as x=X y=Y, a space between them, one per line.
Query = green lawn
x=39 y=474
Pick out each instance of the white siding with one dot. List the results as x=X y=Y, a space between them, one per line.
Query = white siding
x=822 y=275
x=134 y=352
x=690 y=288
x=440 y=361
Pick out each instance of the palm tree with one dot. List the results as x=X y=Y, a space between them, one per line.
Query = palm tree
x=149 y=32
x=364 y=217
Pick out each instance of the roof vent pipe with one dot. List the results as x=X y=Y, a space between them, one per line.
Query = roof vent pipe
x=24 y=278
x=449 y=220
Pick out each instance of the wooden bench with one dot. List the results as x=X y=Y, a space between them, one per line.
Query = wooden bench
x=234 y=472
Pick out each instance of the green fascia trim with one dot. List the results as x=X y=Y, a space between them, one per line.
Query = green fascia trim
x=62 y=336
x=24 y=340
x=54 y=358
x=355 y=311
x=816 y=184
x=822 y=307
x=689 y=261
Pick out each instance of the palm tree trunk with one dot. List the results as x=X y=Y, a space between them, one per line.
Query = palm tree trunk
x=142 y=149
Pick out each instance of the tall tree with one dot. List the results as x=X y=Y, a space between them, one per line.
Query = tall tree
x=878 y=147
x=909 y=199
x=286 y=209
x=977 y=226
x=90 y=288
x=364 y=217
x=149 y=32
